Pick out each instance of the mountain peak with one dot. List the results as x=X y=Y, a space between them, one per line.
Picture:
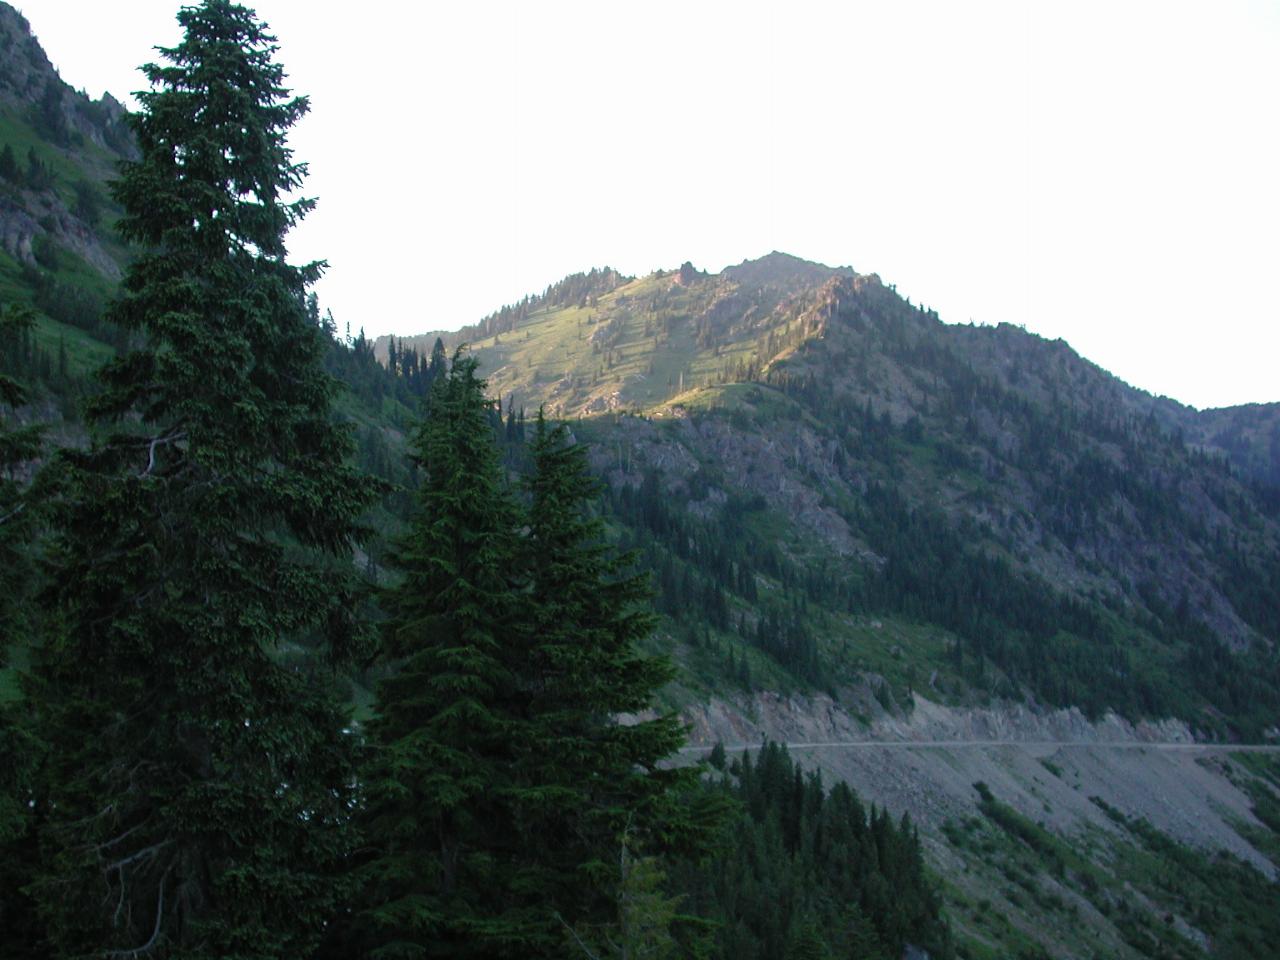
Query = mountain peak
x=32 y=89
x=25 y=70
x=777 y=269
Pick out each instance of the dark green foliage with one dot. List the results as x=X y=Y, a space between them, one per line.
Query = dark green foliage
x=9 y=169
x=48 y=116
x=20 y=750
x=412 y=372
x=19 y=445
x=45 y=249
x=811 y=870
x=1141 y=881
x=699 y=563
x=501 y=793
x=199 y=789
x=45 y=372
x=1045 y=846
x=442 y=740
x=587 y=786
x=38 y=175
x=354 y=364
x=1227 y=899
x=22 y=934
x=808 y=944
x=88 y=203
x=717 y=757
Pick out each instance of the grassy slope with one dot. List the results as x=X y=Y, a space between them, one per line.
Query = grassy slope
x=652 y=352
x=85 y=161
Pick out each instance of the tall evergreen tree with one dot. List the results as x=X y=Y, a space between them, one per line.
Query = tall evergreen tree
x=19 y=445
x=588 y=785
x=439 y=362
x=441 y=882
x=199 y=788
x=9 y=169
x=501 y=789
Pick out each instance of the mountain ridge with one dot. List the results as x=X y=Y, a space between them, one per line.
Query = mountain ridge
x=1247 y=434
x=1020 y=451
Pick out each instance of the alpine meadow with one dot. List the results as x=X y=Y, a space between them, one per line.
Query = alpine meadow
x=754 y=614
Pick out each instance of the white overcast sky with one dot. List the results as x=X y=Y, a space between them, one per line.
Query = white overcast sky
x=1106 y=172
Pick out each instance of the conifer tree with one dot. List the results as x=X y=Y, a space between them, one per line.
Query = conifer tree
x=19 y=748
x=501 y=791
x=199 y=786
x=18 y=445
x=442 y=881
x=589 y=786
x=439 y=362
x=9 y=169
x=807 y=944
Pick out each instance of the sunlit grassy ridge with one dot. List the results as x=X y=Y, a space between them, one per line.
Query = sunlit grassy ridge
x=638 y=346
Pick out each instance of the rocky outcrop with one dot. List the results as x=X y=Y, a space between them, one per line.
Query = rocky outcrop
x=32 y=94
x=18 y=230
x=25 y=70
x=30 y=85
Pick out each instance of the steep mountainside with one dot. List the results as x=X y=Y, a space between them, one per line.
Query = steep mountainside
x=870 y=528
x=58 y=252
x=1095 y=545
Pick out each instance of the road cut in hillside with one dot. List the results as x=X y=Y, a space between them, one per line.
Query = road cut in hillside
x=1035 y=746
x=1050 y=765
x=1057 y=768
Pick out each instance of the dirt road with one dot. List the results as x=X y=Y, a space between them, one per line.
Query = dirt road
x=1034 y=746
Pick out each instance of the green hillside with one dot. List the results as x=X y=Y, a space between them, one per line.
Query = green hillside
x=798 y=450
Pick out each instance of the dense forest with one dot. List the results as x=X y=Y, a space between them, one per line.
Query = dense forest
x=812 y=873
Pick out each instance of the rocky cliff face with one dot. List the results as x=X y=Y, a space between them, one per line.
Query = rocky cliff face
x=29 y=81
x=65 y=147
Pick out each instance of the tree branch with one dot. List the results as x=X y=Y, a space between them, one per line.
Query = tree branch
x=574 y=933
x=115 y=920
x=114 y=840
x=155 y=933
x=159 y=442
x=150 y=851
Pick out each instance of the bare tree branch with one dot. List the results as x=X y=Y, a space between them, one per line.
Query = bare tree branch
x=114 y=840
x=115 y=920
x=574 y=933
x=155 y=933
x=150 y=851
x=158 y=442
